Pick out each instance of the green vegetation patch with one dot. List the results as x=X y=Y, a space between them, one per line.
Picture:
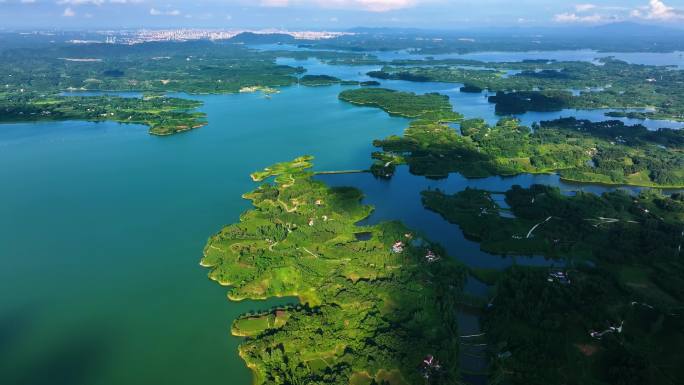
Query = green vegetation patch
x=541 y=220
x=431 y=106
x=611 y=315
x=318 y=80
x=592 y=330
x=606 y=152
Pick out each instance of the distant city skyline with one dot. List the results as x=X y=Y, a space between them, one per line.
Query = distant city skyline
x=332 y=14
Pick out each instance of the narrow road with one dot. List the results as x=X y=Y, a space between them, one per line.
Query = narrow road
x=537 y=225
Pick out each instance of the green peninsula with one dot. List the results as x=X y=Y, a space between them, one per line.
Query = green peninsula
x=605 y=152
x=612 y=315
x=430 y=113
x=163 y=115
x=375 y=301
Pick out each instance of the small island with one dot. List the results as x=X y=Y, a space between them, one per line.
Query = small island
x=318 y=80
x=376 y=303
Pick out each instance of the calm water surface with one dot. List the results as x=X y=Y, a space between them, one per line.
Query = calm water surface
x=102 y=227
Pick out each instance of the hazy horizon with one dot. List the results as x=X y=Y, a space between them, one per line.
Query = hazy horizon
x=333 y=14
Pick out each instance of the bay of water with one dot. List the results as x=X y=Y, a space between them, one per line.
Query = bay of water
x=102 y=227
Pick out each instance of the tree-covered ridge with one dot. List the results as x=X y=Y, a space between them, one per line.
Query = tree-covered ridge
x=375 y=300
x=605 y=152
x=544 y=86
x=536 y=315
x=163 y=115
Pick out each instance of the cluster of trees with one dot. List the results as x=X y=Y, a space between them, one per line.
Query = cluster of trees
x=545 y=328
x=318 y=80
x=633 y=280
x=512 y=103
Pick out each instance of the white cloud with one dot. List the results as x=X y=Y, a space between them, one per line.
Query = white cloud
x=658 y=10
x=275 y=3
x=68 y=12
x=574 y=18
x=27 y=1
x=172 y=12
x=584 y=7
x=371 y=5
x=95 y=2
x=80 y=2
x=368 y=5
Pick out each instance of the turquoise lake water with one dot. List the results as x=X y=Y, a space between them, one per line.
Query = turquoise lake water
x=102 y=227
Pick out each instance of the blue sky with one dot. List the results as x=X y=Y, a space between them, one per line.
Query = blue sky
x=332 y=14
